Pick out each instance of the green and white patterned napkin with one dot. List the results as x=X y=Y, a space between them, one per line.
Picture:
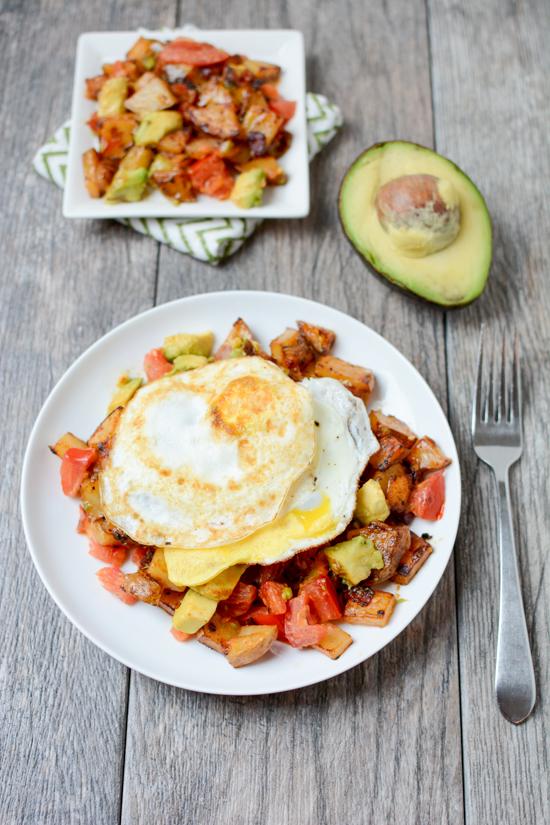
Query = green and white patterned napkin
x=207 y=239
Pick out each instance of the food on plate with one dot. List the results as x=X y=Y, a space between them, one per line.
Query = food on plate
x=210 y=123
x=256 y=496
x=418 y=221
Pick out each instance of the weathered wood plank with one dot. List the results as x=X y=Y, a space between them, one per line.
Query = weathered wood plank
x=490 y=64
x=64 y=283
x=381 y=743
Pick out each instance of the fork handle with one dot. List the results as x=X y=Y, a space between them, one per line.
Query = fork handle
x=515 y=678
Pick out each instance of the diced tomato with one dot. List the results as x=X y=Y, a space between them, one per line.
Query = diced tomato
x=184 y=50
x=273 y=596
x=156 y=365
x=284 y=108
x=109 y=553
x=239 y=602
x=322 y=595
x=74 y=466
x=180 y=636
x=211 y=176
x=299 y=630
x=138 y=553
x=112 y=578
x=428 y=498
x=270 y=91
x=261 y=615
x=318 y=566
x=270 y=572
x=83 y=522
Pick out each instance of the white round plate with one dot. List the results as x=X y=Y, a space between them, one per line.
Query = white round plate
x=138 y=636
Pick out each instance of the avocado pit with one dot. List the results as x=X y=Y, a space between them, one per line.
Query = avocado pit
x=420 y=213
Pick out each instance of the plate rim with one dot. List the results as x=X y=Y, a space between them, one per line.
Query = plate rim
x=72 y=208
x=341 y=666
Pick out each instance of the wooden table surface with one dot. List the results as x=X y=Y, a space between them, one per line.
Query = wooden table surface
x=413 y=735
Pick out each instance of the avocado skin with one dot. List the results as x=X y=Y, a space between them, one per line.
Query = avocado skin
x=379 y=271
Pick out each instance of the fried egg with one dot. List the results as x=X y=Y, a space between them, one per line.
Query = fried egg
x=208 y=456
x=320 y=504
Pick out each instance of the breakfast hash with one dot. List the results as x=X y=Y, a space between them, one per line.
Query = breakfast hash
x=187 y=119
x=255 y=495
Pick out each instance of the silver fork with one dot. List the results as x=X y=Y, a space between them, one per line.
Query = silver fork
x=497 y=437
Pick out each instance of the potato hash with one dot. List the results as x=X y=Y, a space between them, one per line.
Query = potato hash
x=188 y=119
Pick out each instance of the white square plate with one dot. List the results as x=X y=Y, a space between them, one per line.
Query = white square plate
x=284 y=47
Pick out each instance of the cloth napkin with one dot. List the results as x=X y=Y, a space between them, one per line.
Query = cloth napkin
x=206 y=239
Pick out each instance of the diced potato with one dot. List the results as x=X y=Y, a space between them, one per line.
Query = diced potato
x=274 y=174
x=175 y=142
x=143 y=587
x=262 y=122
x=178 y=189
x=214 y=91
x=383 y=477
x=377 y=612
x=90 y=498
x=266 y=72
x=143 y=52
x=201 y=147
x=335 y=642
x=101 y=437
x=171 y=600
x=153 y=97
x=67 y=442
x=427 y=456
x=291 y=351
x=94 y=86
x=143 y=80
x=96 y=532
x=371 y=503
x=358 y=380
x=321 y=339
x=412 y=560
x=98 y=173
x=215 y=119
x=111 y=98
x=390 y=425
x=121 y=68
x=251 y=643
x=398 y=492
x=158 y=571
x=239 y=342
x=391 y=451
x=217 y=633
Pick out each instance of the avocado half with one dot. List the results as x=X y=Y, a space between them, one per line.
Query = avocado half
x=451 y=277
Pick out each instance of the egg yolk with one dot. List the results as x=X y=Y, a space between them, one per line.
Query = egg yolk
x=193 y=567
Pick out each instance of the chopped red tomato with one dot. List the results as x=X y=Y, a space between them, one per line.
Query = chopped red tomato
x=322 y=595
x=112 y=578
x=273 y=596
x=180 y=636
x=74 y=466
x=270 y=91
x=239 y=602
x=428 y=498
x=156 y=365
x=284 y=108
x=184 y=50
x=83 y=521
x=138 y=553
x=211 y=176
x=261 y=615
x=299 y=630
x=109 y=553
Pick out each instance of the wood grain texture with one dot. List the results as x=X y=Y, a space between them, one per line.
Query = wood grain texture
x=382 y=742
x=490 y=70
x=63 y=284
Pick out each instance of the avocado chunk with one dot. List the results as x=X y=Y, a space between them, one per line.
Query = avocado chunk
x=371 y=503
x=353 y=560
x=110 y=100
x=193 y=612
x=126 y=389
x=130 y=180
x=188 y=343
x=222 y=585
x=155 y=125
x=418 y=221
x=248 y=188
x=184 y=363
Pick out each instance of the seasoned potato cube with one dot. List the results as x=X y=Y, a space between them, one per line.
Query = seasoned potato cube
x=94 y=86
x=426 y=455
x=335 y=641
x=398 y=493
x=383 y=477
x=391 y=451
x=240 y=341
x=98 y=173
x=390 y=425
x=273 y=172
x=261 y=125
x=96 y=532
x=215 y=119
x=101 y=437
x=321 y=339
x=201 y=147
x=67 y=442
x=251 y=643
x=412 y=560
x=266 y=72
x=153 y=97
x=90 y=498
x=117 y=135
x=217 y=632
x=142 y=586
x=175 y=142
x=143 y=53
x=292 y=352
x=358 y=380
x=376 y=612
x=158 y=571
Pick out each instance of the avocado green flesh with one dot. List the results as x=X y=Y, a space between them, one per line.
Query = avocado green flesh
x=453 y=276
x=353 y=560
